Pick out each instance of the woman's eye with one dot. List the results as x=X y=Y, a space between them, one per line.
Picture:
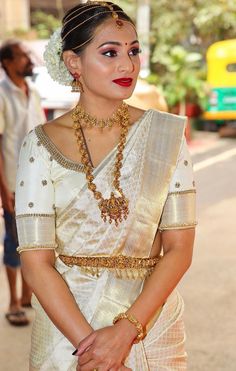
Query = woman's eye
x=135 y=51
x=110 y=53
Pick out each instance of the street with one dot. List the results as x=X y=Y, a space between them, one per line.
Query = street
x=209 y=288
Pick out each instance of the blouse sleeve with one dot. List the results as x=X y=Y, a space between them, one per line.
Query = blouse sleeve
x=35 y=210
x=180 y=208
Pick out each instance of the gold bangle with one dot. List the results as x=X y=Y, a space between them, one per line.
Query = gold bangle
x=140 y=329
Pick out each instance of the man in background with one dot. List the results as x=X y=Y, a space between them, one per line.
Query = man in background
x=20 y=111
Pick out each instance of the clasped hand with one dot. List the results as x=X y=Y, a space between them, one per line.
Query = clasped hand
x=106 y=349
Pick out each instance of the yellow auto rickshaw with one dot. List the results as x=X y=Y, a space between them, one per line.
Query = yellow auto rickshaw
x=221 y=76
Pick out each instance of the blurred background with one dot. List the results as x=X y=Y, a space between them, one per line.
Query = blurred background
x=189 y=68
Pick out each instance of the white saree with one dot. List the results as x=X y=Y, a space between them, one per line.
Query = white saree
x=55 y=210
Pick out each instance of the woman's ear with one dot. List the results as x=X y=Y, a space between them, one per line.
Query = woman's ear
x=72 y=61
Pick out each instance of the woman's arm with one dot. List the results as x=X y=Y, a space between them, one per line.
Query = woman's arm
x=177 y=247
x=54 y=294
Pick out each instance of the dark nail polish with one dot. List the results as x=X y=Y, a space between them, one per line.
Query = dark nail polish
x=75 y=351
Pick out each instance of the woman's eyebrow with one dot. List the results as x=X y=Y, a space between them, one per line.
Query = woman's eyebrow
x=117 y=43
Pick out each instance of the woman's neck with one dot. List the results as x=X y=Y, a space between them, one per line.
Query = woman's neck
x=99 y=107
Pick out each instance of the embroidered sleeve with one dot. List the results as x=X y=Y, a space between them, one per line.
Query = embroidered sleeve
x=35 y=210
x=180 y=210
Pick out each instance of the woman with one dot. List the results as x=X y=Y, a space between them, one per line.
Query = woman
x=101 y=191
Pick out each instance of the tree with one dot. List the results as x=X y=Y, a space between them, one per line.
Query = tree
x=179 y=29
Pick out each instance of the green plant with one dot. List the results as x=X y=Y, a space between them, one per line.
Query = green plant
x=183 y=78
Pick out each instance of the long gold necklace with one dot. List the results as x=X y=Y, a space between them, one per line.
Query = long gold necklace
x=88 y=121
x=116 y=207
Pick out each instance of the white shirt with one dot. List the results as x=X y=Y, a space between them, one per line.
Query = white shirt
x=18 y=115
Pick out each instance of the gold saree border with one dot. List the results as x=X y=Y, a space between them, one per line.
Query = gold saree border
x=165 y=136
x=36 y=231
x=179 y=211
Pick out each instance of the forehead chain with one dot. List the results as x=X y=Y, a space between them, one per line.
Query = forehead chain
x=87 y=7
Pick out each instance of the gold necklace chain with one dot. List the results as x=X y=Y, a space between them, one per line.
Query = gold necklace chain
x=88 y=121
x=116 y=207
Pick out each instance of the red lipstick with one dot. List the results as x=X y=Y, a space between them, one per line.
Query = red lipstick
x=126 y=82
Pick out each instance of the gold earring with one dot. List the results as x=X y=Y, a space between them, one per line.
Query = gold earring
x=77 y=86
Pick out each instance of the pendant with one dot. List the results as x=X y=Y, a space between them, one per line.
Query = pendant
x=114 y=209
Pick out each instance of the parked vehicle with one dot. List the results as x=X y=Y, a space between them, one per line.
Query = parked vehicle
x=221 y=76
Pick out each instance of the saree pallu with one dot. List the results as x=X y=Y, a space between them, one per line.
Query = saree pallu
x=67 y=219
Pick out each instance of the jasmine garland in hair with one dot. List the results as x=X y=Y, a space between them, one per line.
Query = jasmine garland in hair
x=54 y=62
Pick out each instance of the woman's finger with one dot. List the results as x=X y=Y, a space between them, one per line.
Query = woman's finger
x=85 y=358
x=85 y=343
x=90 y=366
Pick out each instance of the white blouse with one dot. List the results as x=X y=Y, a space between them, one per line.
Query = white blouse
x=47 y=181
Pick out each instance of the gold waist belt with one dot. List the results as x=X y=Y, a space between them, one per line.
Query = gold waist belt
x=123 y=266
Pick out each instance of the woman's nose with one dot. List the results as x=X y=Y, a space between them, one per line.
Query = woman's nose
x=126 y=64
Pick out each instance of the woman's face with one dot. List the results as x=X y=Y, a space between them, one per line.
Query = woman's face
x=110 y=64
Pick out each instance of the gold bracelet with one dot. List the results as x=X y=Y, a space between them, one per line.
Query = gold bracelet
x=140 y=329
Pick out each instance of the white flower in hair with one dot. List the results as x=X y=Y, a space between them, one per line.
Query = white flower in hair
x=54 y=63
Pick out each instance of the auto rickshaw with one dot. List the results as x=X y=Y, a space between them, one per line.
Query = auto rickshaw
x=221 y=76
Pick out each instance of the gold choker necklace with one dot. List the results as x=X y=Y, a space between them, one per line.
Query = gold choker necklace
x=116 y=207
x=88 y=121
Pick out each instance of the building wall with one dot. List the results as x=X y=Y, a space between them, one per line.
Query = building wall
x=14 y=14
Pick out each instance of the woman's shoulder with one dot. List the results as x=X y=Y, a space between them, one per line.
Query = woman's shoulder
x=32 y=150
x=56 y=127
x=44 y=136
